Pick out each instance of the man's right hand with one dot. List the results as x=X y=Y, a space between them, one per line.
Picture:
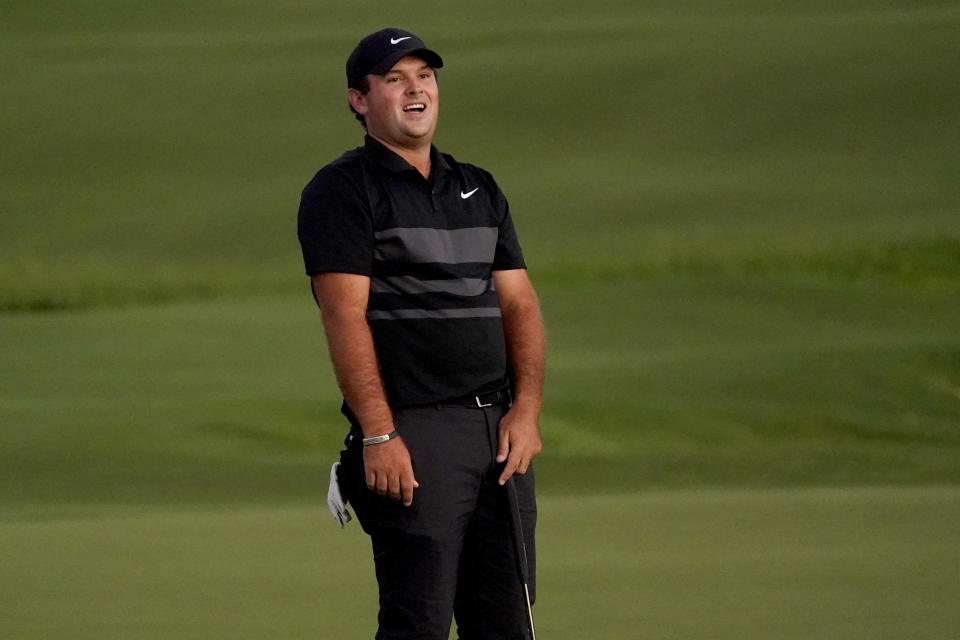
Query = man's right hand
x=389 y=470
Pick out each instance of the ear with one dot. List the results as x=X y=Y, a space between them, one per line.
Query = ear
x=358 y=101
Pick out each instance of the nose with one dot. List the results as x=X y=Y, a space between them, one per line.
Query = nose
x=414 y=86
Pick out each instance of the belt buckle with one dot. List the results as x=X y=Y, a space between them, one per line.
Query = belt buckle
x=480 y=404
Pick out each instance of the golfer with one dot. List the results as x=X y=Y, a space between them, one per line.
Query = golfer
x=437 y=343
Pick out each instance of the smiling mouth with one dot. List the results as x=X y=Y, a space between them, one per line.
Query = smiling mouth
x=417 y=107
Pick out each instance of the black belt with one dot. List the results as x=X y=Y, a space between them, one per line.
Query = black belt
x=481 y=401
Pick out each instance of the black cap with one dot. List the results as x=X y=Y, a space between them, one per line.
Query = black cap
x=379 y=51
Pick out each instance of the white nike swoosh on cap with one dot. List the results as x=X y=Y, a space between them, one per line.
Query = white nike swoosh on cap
x=468 y=194
x=399 y=40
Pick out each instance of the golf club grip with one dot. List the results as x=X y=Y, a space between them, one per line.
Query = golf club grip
x=516 y=522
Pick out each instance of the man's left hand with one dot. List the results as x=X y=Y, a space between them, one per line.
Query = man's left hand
x=519 y=436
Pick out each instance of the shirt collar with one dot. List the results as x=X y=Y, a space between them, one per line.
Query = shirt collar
x=376 y=151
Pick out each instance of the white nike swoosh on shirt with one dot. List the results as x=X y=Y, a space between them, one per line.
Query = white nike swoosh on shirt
x=468 y=194
x=399 y=40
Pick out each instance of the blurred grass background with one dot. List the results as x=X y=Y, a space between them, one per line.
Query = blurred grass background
x=151 y=150
x=741 y=217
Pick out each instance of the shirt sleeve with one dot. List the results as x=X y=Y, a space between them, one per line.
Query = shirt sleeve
x=334 y=226
x=508 y=254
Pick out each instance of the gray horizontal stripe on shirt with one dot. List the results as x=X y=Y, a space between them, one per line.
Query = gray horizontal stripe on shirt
x=447 y=246
x=411 y=285
x=423 y=314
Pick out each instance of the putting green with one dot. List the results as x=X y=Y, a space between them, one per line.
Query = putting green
x=711 y=563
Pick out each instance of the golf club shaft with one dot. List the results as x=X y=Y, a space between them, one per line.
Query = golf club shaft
x=520 y=549
x=526 y=592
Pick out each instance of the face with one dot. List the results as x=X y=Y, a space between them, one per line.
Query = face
x=402 y=105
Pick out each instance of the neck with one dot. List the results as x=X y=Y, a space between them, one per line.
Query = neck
x=418 y=157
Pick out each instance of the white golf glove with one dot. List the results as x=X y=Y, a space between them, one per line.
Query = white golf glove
x=335 y=501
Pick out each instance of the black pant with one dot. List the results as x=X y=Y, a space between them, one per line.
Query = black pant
x=452 y=551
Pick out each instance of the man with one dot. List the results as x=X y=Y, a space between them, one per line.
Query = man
x=437 y=343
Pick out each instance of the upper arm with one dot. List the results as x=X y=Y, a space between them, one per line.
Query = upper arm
x=514 y=289
x=341 y=292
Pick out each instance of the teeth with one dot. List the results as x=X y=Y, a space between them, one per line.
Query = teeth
x=418 y=106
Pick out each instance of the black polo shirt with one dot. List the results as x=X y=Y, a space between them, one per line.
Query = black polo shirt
x=429 y=248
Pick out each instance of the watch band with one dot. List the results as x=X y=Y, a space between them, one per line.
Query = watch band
x=379 y=439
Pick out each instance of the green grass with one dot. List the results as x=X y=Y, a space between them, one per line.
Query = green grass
x=153 y=154
x=741 y=218
x=678 y=381
x=720 y=380
x=791 y=564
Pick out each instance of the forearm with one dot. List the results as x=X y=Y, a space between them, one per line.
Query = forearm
x=358 y=376
x=387 y=465
x=519 y=429
x=342 y=299
x=526 y=352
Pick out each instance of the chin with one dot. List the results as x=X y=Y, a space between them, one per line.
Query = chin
x=419 y=134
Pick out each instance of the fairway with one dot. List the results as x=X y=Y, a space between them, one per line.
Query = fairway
x=163 y=469
x=723 y=564
x=157 y=153
x=741 y=219
x=691 y=382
